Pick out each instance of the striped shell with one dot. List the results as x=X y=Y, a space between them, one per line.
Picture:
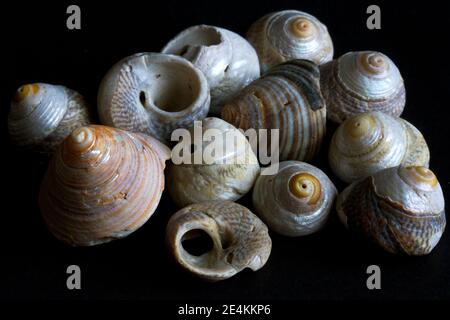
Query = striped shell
x=154 y=94
x=102 y=184
x=296 y=201
x=360 y=82
x=369 y=142
x=42 y=115
x=227 y=60
x=287 y=35
x=240 y=239
x=400 y=209
x=226 y=175
x=287 y=98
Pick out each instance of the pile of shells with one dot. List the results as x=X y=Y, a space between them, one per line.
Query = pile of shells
x=104 y=181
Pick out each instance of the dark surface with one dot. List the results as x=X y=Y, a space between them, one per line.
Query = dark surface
x=329 y=265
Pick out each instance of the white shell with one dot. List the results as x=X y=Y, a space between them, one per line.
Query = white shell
x=370 y=142
x=228 y=176
x=287 y=35
x=228 y=61
x=154 y=94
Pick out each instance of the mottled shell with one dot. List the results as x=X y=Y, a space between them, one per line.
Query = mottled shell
x=154 y=94
x=228 y=61
x=369 y=142
x=400 y=209
x=240 y=239
x=360 y=82
x=42 y=115
x=226 y=175
x=102 y=184
x=296 y=201
x=287 y=35
x=287 y=98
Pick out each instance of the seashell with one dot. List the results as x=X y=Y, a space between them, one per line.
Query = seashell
x=42 y=115
x=154 y=94
x=286 y=35
x=296 y=201
x=369 y=142
x=227 y=60
x=287 y=98
x=226 y=175
x=360 y=82
x=102 y=184
x=400 y=209
x=240 y=239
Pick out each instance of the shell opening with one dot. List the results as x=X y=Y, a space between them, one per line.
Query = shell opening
x=359 y=126
x=420 y=177
x=197 y=242
x=302 y=28
x=305 y=186
x=374 y=62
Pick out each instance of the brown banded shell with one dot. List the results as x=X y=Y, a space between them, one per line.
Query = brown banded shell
x=400 y=209
x=102 y=184
x=359 y=82
x=42 y=115
x=296 y=201
x=240 y=239
x=290 y=34
x=369 y=142
x=287 y=98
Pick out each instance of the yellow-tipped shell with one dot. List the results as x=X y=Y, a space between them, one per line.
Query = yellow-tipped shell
x=359 y=126
x=305 y=185
x=302 y=28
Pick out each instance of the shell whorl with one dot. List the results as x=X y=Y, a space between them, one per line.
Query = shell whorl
x=227 y=60
x=102 y=184
x=286 y=35
x=240 y=239
x=287 y=98
x=359 y=82
x=401 y=209
x=153 y=94
x=369 y=142
x=296 y=201
x=42 y=115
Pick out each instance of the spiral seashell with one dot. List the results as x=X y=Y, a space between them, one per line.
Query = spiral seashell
x=287 y=98
x=228 y=61
x=400 y=209
x=154 y=94
x=296 y=201
x=369 y=142
x=102 y=184
x=226 y=175
x=42 y=115
x=240 y=239
x=360 y=82
x=287 y=35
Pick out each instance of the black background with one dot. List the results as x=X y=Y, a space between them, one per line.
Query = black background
x=329 y=265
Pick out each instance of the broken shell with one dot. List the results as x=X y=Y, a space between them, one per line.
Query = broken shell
x=287 y=35
x=287 y=98
x=228 y=61
x=400 y=209
x=102 y=184
x=42 y=115
x=359 y=82
x=370 y=142
x=240 y=239
x=296 y=201
x=227 y=174
x=154 y=94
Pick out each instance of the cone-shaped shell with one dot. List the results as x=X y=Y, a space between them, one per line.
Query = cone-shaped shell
x=226 y=174
x=287 y=98
x=154 y=94
x=287 y=35
x=227 y=60
x=400 y=209
x=102 y=184
x=296 y=201
x=42 y=115
x=240 y=239
x=369 y=142
x=360 y=82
